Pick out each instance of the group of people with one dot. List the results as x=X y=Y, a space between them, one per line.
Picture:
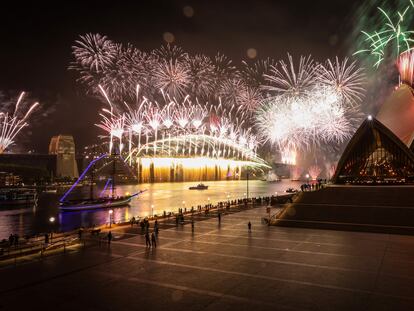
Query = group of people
x=151 y=239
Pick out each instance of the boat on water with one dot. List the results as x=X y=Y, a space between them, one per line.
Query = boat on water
x=50 y=190
x=93 y=203
x=17 y=196
x=98 y=203
x=291 y=190
x=271 y=177
x=199 y=187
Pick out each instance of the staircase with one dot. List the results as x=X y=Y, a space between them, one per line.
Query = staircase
x=387 y=209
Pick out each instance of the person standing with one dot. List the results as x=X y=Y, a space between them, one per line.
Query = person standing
x=156 y=229
x=219 y=217
x=147 y=240
x=249 y=225
x=192 y=225
x=153 y=240
x=109 y=237
x=11 y=239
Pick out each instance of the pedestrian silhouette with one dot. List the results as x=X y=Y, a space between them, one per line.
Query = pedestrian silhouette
x=219 y=217
x=249 y=225
x=11 y=239
x=109 y=237
x=147 y=240
x=153 y=240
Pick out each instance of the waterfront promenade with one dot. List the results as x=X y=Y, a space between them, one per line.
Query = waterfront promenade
x=221 y=267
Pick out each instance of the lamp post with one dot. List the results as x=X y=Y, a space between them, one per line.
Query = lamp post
x=110 y=217
x=247 y=185
x=52 y=221
x=152 y=210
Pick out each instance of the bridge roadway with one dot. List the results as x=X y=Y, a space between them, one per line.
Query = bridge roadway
x=222 y=267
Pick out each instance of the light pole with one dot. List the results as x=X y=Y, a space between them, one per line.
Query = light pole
x=52 y=221
x=110 y=217
x=152 y=210
x=247 y=185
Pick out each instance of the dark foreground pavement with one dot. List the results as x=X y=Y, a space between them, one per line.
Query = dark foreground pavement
x=222 y=268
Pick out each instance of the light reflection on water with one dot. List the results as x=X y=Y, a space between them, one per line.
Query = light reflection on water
x=162 y=196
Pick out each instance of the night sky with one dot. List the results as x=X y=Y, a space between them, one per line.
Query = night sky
x=36 y=45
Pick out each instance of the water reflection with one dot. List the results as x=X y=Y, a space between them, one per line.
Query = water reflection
x=160 y=197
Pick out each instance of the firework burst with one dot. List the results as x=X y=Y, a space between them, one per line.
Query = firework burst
x=290 y=80
x=310 y=104
x=202 y=78
x=13 y=123
x=94 y=52
x=173 y=77
x=393 y=36
x=346 y=79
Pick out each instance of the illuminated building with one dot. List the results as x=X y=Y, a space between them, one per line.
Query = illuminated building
x=63 y=146
x=375 y=154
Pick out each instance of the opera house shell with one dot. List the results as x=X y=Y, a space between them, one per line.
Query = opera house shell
x=381 y=150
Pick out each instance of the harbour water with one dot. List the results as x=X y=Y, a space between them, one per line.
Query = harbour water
x=158 y=198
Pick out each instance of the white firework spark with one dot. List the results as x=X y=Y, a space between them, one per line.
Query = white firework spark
x=347 y=79
x=202 y=78
x=310 y=104
x=290 y=80
x=94 y=52
x=12 y=124
x=173 y=77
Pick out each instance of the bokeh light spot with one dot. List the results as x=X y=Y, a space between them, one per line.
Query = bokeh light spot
x=168 y=37
x=188 y=11
x=251 y=53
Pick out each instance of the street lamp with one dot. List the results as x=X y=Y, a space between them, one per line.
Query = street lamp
x=51 y=220
x=247 y=184
x=110 y=217
x=152 y=210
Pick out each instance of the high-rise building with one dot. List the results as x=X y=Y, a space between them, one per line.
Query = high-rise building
x=63 y=146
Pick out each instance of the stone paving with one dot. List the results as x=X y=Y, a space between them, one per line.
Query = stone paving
x=222 y=267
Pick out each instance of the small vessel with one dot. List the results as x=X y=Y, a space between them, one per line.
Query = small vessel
x=291 y=190
x=17 y=196
x=199 y=187
x=50 y=190
x=271 y=177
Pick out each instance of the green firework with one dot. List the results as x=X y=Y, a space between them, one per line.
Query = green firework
x=393 y=35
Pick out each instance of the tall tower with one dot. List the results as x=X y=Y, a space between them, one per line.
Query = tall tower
x=63 y=146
